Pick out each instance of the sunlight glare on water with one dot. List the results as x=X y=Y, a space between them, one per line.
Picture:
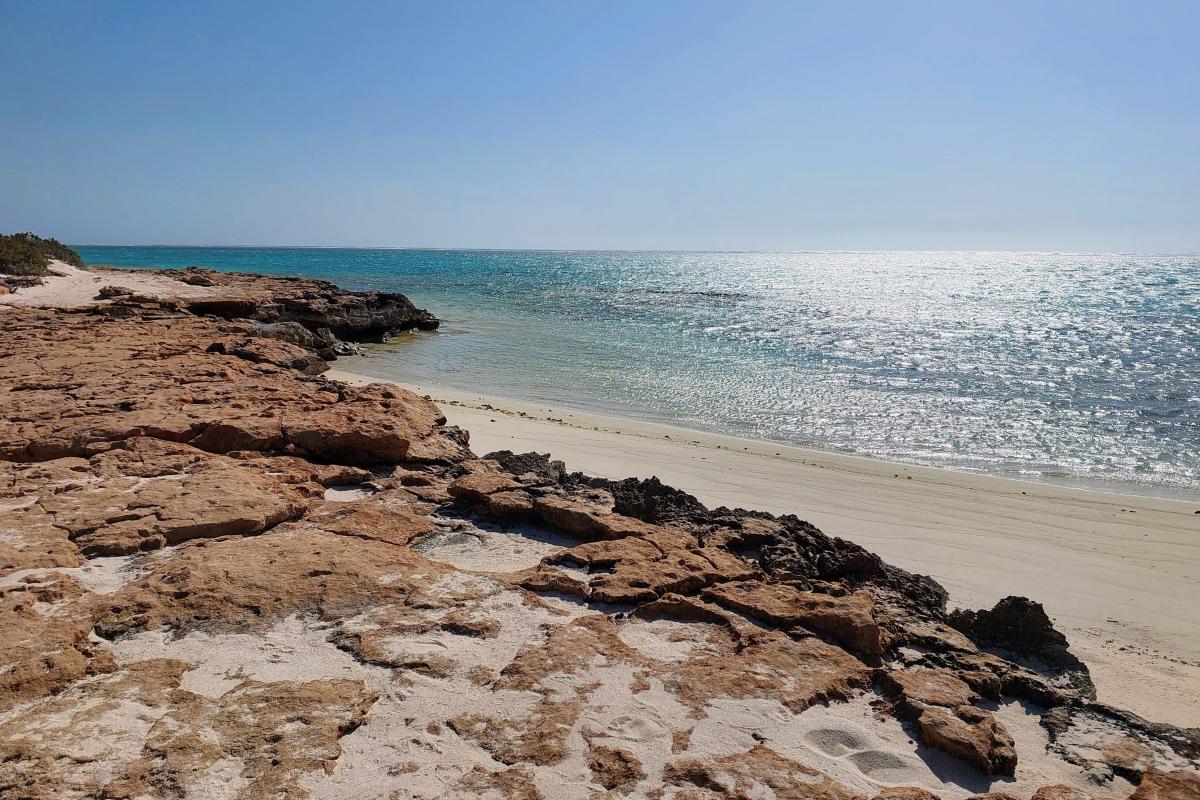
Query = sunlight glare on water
x=1081 y=367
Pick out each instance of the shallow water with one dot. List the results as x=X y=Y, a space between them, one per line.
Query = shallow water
x=1077 y=367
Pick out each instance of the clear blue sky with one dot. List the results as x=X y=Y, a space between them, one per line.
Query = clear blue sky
x=758 y=125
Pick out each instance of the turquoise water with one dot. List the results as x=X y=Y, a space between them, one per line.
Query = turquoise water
x=1083 y=368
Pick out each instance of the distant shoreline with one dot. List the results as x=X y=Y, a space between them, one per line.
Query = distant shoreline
x=435 y=249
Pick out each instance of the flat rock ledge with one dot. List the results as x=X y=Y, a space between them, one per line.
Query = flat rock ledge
x=223 y=576
x=314 y=305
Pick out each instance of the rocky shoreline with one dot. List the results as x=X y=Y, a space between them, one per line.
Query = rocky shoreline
x=185 y=505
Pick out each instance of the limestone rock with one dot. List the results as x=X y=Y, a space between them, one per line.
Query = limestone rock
x=760 y=772
x=941 y=702
x=515 y=783
x=44 y=653
x=1060 y=792
x=1174 y=785
x=798 y=674
x=134 y=733
x=243 y=584
x=905 y=793
x=970 y=734
x=266 y=351
x=168 y=386
x=478 y=487
x=615 y=767
x=145 y=494
x=849 y=619
x=938 y=687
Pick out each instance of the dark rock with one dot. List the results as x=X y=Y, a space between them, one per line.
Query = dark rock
x=14 y=282
x=291 y=332
x=801 y=552
x=551 y=471
x=352 y=316
x=652 y=501
x=1020 y=626
x=314 y=304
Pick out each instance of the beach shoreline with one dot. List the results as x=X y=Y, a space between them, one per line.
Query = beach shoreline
x=741 y=641
x=574 y=408
x=1116 y=572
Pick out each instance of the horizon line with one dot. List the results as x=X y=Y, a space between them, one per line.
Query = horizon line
x=413 y=248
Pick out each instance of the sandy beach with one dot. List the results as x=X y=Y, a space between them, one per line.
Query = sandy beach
x=72 y=287
x=673 y=401
x=1117 y=573
x=378 y=604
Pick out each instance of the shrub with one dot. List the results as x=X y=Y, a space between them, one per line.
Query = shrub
x=26 y=254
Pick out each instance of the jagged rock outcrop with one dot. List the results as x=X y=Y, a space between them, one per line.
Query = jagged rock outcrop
x=1021 y=628
x=222 y=575
x=312 y=304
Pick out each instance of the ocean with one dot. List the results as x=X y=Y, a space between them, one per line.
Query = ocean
x=1074 y=368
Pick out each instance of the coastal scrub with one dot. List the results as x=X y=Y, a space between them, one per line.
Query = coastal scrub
x=29 y=254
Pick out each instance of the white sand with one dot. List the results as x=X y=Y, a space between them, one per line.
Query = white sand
x=71 y=287
x=101 y=575
x=397 y=730
x=294 y=649
x=471 y=548
x=1119 y=574
x=346 y=494
x=405 y=747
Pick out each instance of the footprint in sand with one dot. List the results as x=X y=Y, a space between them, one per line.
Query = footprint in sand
x=836 y=742
x=854 y=746
x=875 y=762
x=636 y=729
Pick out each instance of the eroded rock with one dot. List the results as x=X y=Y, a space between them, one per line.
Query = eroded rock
x=849 y=619
x=164 y=384
x=134 y=733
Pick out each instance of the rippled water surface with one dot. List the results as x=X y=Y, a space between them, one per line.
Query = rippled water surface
x=1080 y=367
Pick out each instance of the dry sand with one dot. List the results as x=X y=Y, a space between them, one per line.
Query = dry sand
x=1119 y=574
x=405 y=749
x=72 y=287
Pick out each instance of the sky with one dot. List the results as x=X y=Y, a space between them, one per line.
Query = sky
x=609 y=125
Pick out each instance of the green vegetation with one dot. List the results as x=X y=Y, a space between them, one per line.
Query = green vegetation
x=26 y=254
